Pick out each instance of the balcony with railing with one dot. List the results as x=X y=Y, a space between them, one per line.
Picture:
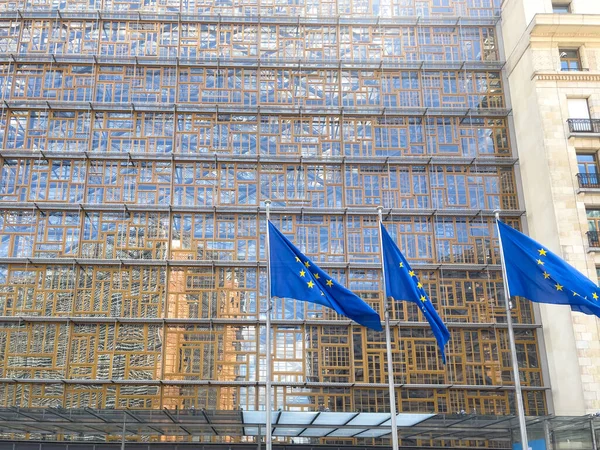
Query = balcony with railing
x=588 y=180
x=584 y=125
x=593 y=239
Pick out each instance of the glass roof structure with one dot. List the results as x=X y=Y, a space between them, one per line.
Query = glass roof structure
x=328 y=424
x=97 y=424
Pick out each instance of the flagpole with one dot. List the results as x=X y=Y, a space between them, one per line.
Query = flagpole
x=513 y=348
x=268 y=336
x=388 y=341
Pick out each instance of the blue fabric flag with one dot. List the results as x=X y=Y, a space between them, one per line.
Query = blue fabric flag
x=295 y=276
x=535 y=273
x=402 y=283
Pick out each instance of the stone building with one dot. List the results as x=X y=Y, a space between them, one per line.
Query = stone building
x=553 y=70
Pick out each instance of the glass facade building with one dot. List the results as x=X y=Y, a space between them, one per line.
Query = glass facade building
x=138 y=142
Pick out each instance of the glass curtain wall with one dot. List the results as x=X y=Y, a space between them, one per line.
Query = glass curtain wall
x=138 y=141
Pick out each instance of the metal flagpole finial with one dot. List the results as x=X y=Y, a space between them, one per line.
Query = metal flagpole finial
x=497 y=213
x=380 y=212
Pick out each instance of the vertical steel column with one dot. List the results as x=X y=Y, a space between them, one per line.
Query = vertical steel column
x=124 y=431
x=259 y=439
x=548 y=435
x=388 y=341
x=513 y=348
x=268 y=334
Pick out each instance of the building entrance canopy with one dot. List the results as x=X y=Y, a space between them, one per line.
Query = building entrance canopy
x=92 y=424
x=329 y=424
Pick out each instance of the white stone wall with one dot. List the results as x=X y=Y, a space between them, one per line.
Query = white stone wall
x=585 y=6
x=556 y=210
x=569 y=212
x=530 y=8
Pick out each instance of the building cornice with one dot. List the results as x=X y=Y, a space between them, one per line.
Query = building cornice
x=581 y=26
x=567 y=76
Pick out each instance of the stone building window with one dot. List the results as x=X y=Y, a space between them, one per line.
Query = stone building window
x=569 y=59
x=587 y=170
x=586 y=163
x=578 y=108
x=593 y=217
x=561 y=8
x=579 y=117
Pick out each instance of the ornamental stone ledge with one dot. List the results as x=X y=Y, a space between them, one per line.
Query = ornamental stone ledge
x=565 y=25
x=579 y=139
x=589 y=191
x=566 y=76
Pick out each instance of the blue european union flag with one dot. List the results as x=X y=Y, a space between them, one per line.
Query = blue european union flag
x=535 y=273
x=295 y=276
x=402 y=283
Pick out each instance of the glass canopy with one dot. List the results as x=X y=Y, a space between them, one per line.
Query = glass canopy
x=328 y=424
x=93 y=424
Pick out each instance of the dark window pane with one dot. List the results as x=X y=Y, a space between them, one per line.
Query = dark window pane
x=561 y=9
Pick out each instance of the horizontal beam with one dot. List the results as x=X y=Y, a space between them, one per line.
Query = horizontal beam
x=220 y=263
x=300 y=64
x=225 y=108
x=165 y=16
x=81 y=442
x=262 y=159
x=245 y=322
x=113 y=381
x=287 y=210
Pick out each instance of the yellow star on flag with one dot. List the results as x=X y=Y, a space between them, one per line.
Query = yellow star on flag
x=307 y=264
x=542 y=252
x=401 y=265
x=558 y=287
x=419 y=285
x=322 y=294
x=329 y=283
x=302 y=273
x=311 y=284
x=595 y=296
x=316 y=276
x=540 y=262
x=298 y=259
x=423 y=298
x=546 y=275
x=575 y=294
x=412 y=273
